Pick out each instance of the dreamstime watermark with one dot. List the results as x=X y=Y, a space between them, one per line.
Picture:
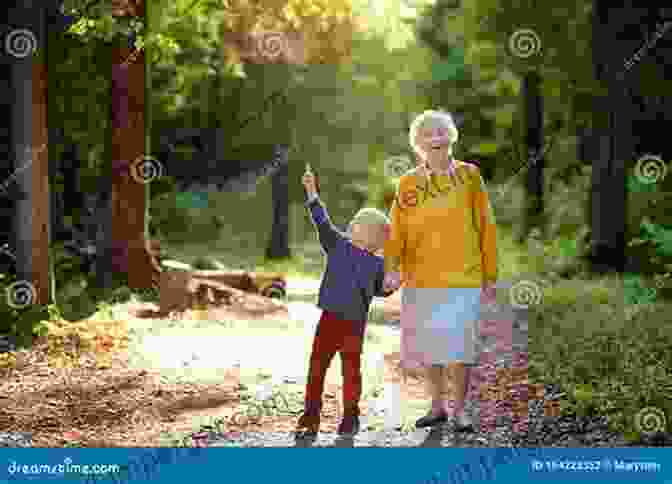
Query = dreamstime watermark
x=524 y=43
x=20 y=43
x=524 y=294
x=145 y=169
x=650 y=420
x=660 y=31
x=67 y=468
x=271 y=45
x=396 y=166
x=25 y=166
x=147 y=465
x=4 y=249
x=21 y=294
x=484 y=469
x=650 y=169
x=254 y=411
x=533 y=156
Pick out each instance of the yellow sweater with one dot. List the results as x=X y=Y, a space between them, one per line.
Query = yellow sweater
x=443 y=236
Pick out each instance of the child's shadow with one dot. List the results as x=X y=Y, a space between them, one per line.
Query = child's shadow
x=302 y=439
x=307 y=440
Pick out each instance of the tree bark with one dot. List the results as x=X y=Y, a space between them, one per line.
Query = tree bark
x=278 y=247
x=534 y=141
x=608 y=218
x=128 y=202
x=29 y=140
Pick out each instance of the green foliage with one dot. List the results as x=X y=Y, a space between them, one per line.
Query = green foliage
x=205 y=263
x=659 y=235
x=609 y=363
x=23 y=324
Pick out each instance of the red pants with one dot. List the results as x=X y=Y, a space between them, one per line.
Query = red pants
x=336 y=335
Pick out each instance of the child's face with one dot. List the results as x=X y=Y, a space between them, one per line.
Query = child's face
x=368 y=236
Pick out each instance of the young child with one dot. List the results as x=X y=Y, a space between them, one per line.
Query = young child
x=354 y=275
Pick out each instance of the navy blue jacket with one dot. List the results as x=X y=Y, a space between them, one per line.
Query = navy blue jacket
x=353 y=276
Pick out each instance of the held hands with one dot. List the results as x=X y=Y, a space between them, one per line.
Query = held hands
x=489 y=293
x=392 y=282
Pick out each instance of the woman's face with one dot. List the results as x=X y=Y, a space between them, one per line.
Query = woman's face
x=433 y=142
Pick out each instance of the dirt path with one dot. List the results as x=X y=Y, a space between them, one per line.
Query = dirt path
x=177 y=376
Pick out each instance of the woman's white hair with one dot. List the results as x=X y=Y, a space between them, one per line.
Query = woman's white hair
x=432 y=118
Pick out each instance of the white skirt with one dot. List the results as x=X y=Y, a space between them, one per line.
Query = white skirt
x=439 y=326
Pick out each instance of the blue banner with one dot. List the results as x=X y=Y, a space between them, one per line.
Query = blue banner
x=373 y=465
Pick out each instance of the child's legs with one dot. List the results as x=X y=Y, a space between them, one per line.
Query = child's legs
x=351 y=361
x=325 y=345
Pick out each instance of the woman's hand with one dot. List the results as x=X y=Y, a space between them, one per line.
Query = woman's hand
x=392 y=282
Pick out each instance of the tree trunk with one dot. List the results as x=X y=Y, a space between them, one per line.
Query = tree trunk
x=608 y=178
x=278 y=247
x=29 y=142
x=534 y=141
x=131 y=171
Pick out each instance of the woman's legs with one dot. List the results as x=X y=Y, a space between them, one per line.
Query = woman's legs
x=433 y=382
x=457 y=374
x=460 y=378
x=433 y=377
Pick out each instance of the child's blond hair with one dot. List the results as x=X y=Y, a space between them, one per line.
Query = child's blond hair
x=369 y=216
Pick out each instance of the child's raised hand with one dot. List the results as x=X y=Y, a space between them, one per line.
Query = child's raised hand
x=309 y=181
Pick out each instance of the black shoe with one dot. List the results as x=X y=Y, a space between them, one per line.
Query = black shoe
x=463 y=423
x=431 y=420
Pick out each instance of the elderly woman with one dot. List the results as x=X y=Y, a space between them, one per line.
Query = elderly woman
x=442 y=250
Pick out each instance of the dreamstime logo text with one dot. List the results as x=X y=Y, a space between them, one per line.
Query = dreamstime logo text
x=67 y=468
x=484 y=469
x=4 y=249
x=146 y=466
x=533 y=157
x=25 y=166
x=645 y=48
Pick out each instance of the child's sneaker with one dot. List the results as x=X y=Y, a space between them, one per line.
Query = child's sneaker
x=349 y=423
x=309 y=422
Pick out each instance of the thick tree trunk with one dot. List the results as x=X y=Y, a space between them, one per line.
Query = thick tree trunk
x=128 y=202
x=29 y=142
x=608 y=218
x=534 y=141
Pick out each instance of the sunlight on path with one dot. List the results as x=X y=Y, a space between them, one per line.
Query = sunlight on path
x=206 y=350
x=303 y=287
x=206 y=355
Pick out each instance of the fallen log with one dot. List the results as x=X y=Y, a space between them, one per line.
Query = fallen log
x=181 y=290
